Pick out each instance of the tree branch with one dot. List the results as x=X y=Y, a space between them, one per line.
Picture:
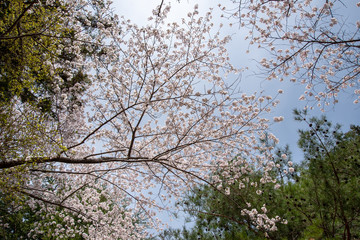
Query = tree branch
x=18 y=19
x=69 y=160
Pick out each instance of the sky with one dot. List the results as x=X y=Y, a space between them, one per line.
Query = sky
x=345 y=112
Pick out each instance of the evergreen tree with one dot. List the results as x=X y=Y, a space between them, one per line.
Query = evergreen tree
x=318 y=198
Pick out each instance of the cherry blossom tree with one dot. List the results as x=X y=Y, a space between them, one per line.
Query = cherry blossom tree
x=315 y=43
x=160 y=112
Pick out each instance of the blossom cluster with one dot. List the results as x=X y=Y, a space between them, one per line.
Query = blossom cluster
x=307 y=42
x=161 y=113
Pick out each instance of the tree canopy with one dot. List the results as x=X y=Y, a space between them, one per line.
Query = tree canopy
x=36 y=45
x=157 y=110
x=318 y=200
x=104 y=122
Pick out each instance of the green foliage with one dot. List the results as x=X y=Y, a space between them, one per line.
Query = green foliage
x=37 y=65
x=331 y=176
x=219 y=216
x=23 y=133
x=34 y=46
x=35 y=69
x=320 y=200
x=15 y=220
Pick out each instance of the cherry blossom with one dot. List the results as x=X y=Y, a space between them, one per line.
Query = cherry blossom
x=162 y=113
x=310 y=42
